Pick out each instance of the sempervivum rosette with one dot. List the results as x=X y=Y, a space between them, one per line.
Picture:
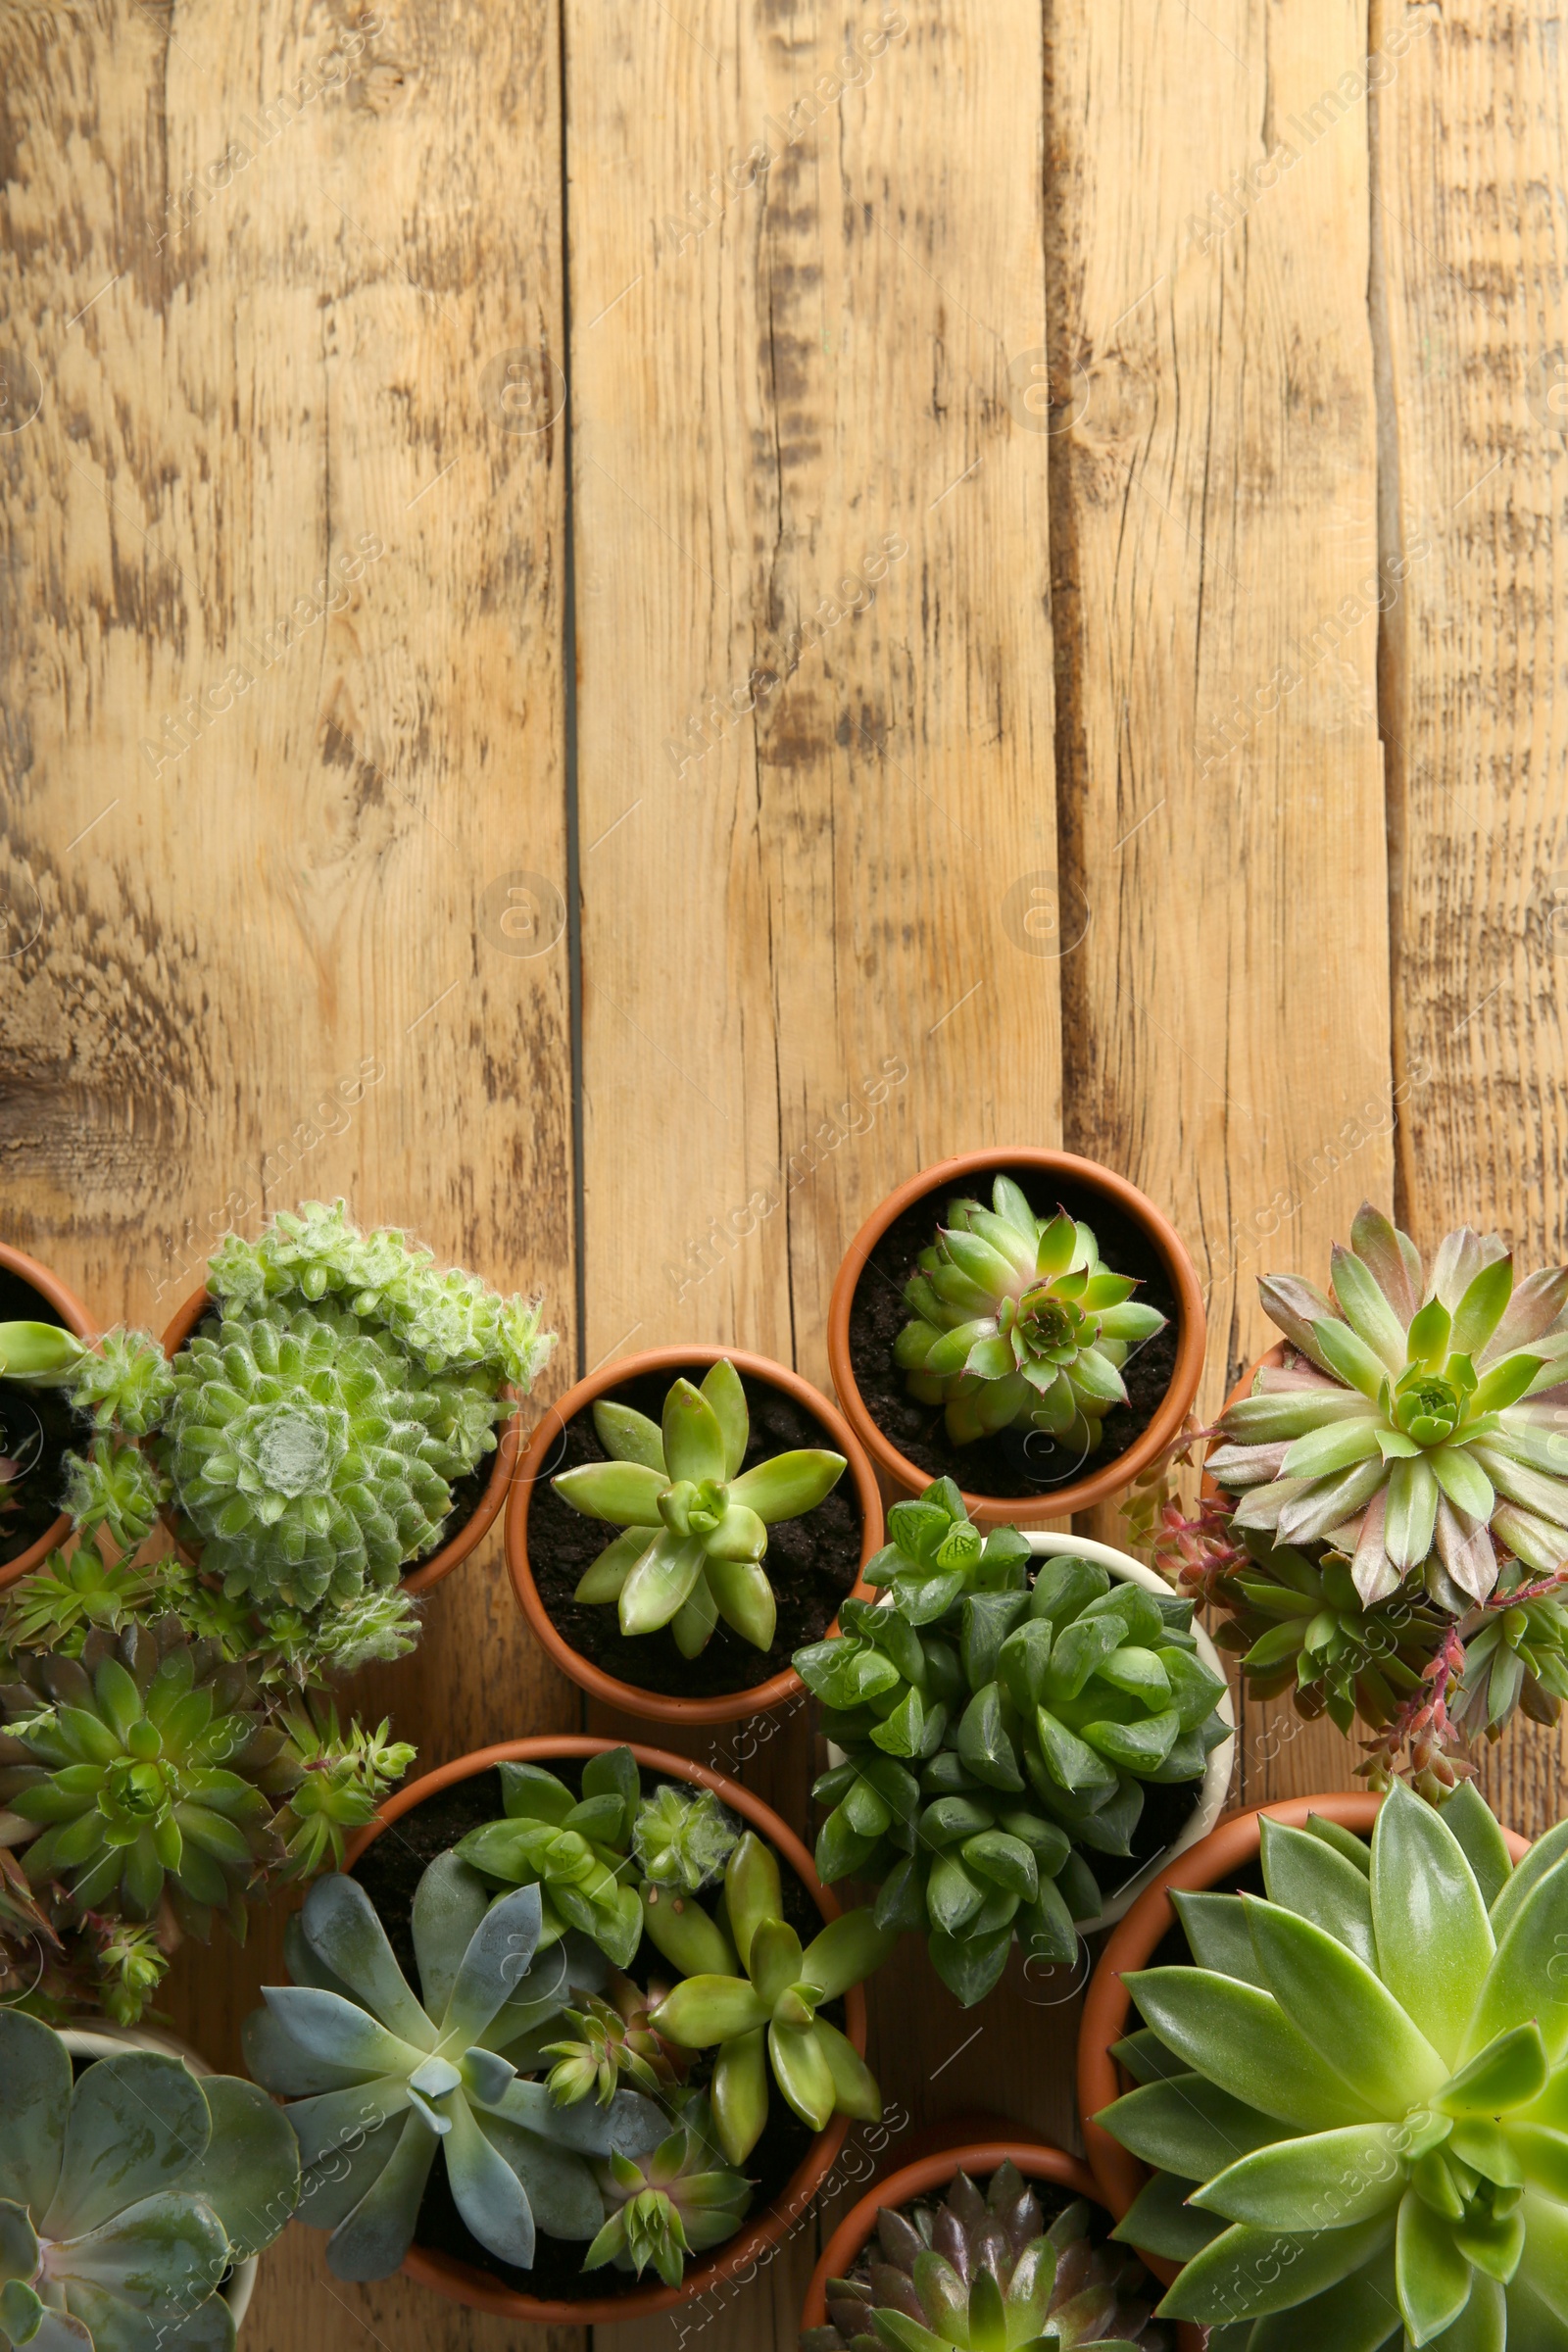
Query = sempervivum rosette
x=1417 y=1421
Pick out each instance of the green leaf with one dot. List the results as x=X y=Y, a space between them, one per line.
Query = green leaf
x=1349 y=1357
x=1462 y=1479
x=1429 y=1335
x=903 y=1732
x=970 y=1966
x=741 y=1535
x=1433 y=2275
x=530 y=1794
x=1136 y=1746
x=1346 y=2013
x=1510 y=2072
x=661 y=1581
x=1481 y=1310
x=1243 y=2040
x=753 y=1891
x=789 y=1484
x=371 y=2242
x=627 y=1436
x=848 y=1950
x=1471 y=1819
x=1434 y=1938
x=739 y=2093
x=624 y=1493
x=1070 y=1762
x=1343 y=1842
x=725 y=1394
x=1065 y=1587
x=802 y=2071
x=249 y=2171
x=35 y=2071
x=1359 y=2315
x=694 y=1442
x=1525 y=1978
x=983 y=1741
x=135 y=2124
x=1366 y=1308
x=486 y=2192
x=1328 y=2182
x=702 y=2010
x=1544 y=1855
x=775 y=1960
x=1220 y=1939
x=1248 y=2273
x=1147 y=2059
x=163 y=2255
x=1305 y=1874
x=745 y=1600
x=1159 y=2220
x=37 y=1351
x=1189 y=2127
x=988 y=1619
x=1079 y=1648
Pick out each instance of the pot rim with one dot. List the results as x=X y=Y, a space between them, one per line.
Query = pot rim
x=1078 y=1494
x=456 y=2280
x=1107 y=2002
x=72 y=1312
x=477 y=1525
x=629 y=1698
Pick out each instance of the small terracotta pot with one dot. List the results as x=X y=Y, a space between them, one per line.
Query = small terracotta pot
x=470 y=1534
x=1107 y=2005
x=76 y=1318
x=654 y=1706
x=1035 y=2159
x=476 y=2289
x=1078 y=1494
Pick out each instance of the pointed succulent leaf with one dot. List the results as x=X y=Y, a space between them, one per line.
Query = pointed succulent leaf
x=739 y=2093
x=753 y=1891
x=135 y=2122
x=1511 y=2072
x=1282 y=2187
x=1216 y=1929
x=627 y=1494
x=659 y=1583
x=1192 y=2128
x=487 y=2192
x=1471 y=1819
x=705 y=2009
x=694 y=1442
x=342 y=1928
x=789 y=1484
x=498 y=1956
x=325 y=2026
x=848 y=1950
x=628 y=1436
x=1367 y=1309
x=1435 y=1942
x=35 y=2075
x=1240 y=2276
x=802 y=2071
x=1310 y=1878
x=745 y=1600
x=1355 y=2023
x=373 y=2240
x=1243 y=2040
x=1524 y=1980
x=249 y=2171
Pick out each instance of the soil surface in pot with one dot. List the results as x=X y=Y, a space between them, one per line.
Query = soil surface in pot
x=811 y=1562
x=37 y=1429
x=1014 y=1463
x=390 y=1870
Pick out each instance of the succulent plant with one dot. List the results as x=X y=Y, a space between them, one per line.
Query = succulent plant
x=695 y=1525
x=614 y=2043
x=750 y=1991
x=682 y=1837
x=1017 y=1320
x=137 y=1765
x=1516 y=1656
x=935 y=1554
x=1356 y=2100
x=59 y=1604
x=333 y=1781
x=122 y=1382
x=986 y=2274
x=989 y=1746
x=1415 y=1423
x=676 y=2201
x=126 y=2199
x=115 y=1487
x=573 y=1849
x=380 y=2080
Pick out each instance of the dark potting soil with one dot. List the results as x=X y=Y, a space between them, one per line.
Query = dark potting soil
x=1168 y=1806
x=1013 y=1463
x=37 y=1429
x=811 y=1562
x=389 y=1871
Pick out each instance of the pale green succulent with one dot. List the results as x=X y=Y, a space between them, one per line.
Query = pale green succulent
x=683 y=1838
x=116 y=1486
x=1018 y=1322
x=575 y=1850
x=1357 y=2101
x=1417 y=1424
x=696 y=1525
x=380 y=2080
x=126 y=2200
x=680 y=2199
x=122 y=1382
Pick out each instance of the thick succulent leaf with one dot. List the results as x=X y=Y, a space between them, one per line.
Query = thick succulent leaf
x=449 y=1902
x=1216 y=1930
x=970 y=1966
x=1247 y=2272
x=159 y=2256
x=745 y=1600
x=1332 y=2179
x=1322 y=1452
x=1159 y=2220
x=1189 y=2127
x=1435 y=1941
x=802 y=2071
x=1347 y=1356
x=1544 y=2267
x=371 y=2242
x=1367 y=1309
x=276 y=2061
x=1412 y=1512
x=694 y=1442
x=135 y=2122
x=628 y=1436
x=846 y=1950
x=1145 y=2058
x=1525 y=1979
x=726 y=1393
x=855 y=2086
x=602 y=1581
x=627 y=1494
x=35 y=2093
x=661 y=1581
x=775 y=1960
x=1511 y=2072
x=1542 y=1856
x=330 y=2191
x=344 y=1932
x=58 y=2331
x=210 y=2327
x=1305 y=1874
x=340 y=2119
x=487 y=2192
x=739 y=1536
x=1243 y=2040
x=558 y=2186
x=753 y=1891
x=789 y=1484
x=739 y=2093
x=1434 y=2278
x=703 y=2010
x=1480 y=1311
x=325 y=2026
x=250 y=2174
x=1359 y=2315
x=305 y=1966
x=1348 y=2014
x=499 y=1955
x=1474 y=1824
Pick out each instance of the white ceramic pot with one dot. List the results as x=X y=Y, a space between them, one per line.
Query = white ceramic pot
x=107 y=2041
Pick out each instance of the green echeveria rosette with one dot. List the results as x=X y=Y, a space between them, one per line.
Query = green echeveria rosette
x=1018 y=1321
x=679 y=2200
x=1357 y=2101
x=308 y=1456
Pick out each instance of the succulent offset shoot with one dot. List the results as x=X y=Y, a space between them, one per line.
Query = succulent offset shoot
x=695 y=1525
x=126 y=2199
x=987 y=1748
x=1018 y=1322
x=573 y=1849
x=986 y=2274
x=333 y=1781
x=122 y=1382
x=677 y=2201
x=935 y=1554
x=1414 y=1426
x=59 y=1604
x=380 y=2080
x=614 y=2043
x=750 y=1991
x=1357 y=2101
x=683 y=1838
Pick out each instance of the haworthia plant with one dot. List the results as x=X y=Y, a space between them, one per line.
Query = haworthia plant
x=575 y=1850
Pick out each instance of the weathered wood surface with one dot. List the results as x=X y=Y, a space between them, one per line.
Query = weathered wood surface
x=954 y=492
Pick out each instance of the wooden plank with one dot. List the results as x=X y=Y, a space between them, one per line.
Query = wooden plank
x=798 y=979
x=1214 y=520
x=268 y=321
x=1475 y=314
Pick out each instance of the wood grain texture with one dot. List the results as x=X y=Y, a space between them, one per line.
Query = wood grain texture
x=1474 y=248
x=262 y=948
x=1215 y=589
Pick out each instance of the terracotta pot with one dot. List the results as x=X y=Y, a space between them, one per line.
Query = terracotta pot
x=1035 y=2159
x=630 y=1698
x=1078 y=1494
x=478 y=2288
x=69 y=1310
x=104 y=2041
x=470 y=1534
x=1107 y=2005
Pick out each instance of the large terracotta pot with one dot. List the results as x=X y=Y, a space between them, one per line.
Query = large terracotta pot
x=629 y=1698
x=477 y=1525
x=1065 y=1167
x=1107 y=2006
x=67 y=1309
x=930 y=2175
x=478 y=2288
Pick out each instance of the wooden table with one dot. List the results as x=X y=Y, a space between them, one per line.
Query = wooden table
x=1049 y=586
